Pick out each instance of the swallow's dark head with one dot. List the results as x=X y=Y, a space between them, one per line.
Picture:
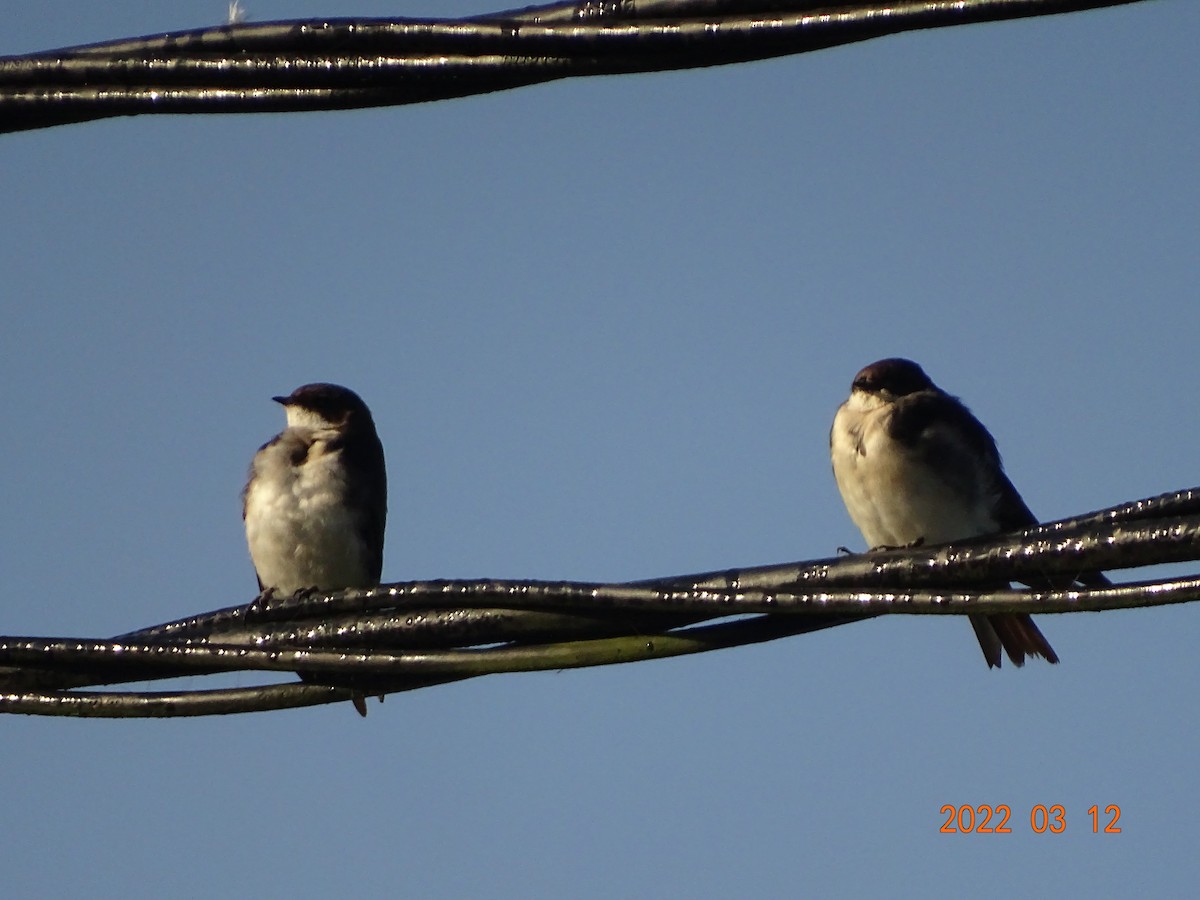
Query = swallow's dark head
x=328 y=405
x=892 y=378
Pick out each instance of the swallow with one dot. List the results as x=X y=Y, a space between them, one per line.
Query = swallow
x=914 y=466
x=315 y=503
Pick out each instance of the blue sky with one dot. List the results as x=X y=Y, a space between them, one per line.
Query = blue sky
x=604 y=326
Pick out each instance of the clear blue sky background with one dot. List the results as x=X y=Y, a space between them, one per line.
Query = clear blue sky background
x=604 y=326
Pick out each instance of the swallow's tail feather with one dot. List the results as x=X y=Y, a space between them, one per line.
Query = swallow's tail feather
x=1016 y=634
x=989 y=641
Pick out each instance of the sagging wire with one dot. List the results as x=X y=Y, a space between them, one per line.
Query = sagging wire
x=339 y=63
x=412 y=635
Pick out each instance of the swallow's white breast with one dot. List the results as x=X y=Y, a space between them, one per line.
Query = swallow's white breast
x=300 y=531
x=894 y=497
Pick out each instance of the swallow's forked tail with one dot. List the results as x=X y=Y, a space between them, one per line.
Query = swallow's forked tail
x=1015 y=634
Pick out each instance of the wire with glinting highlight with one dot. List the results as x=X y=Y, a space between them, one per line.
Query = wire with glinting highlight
x=405 y=636
x=321 y=64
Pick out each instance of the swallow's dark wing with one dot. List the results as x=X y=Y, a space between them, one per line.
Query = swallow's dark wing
x=956 y=444
x=1011 y=511
x=362 y=454
x=948 y=439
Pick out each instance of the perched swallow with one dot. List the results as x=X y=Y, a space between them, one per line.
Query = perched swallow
x=915 y=466
x=315 y=505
